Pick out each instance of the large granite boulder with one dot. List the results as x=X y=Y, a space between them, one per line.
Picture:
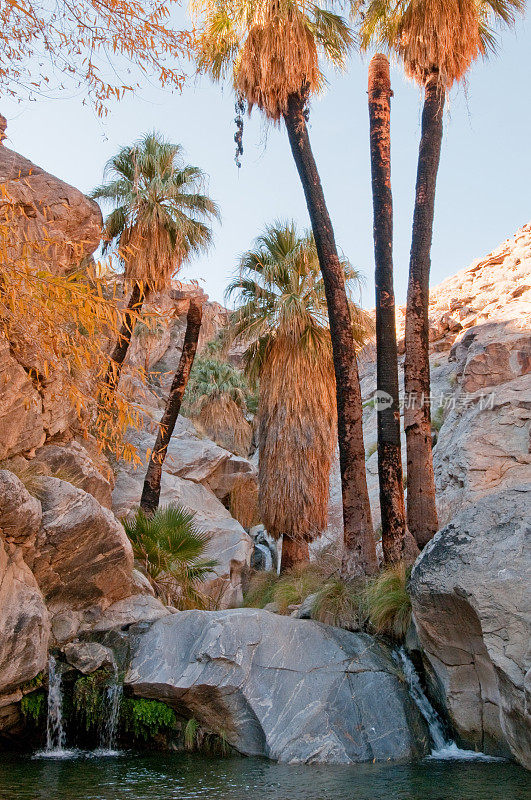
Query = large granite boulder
x=24 y=621
x=84 y=558
x=472 y=609
x=76 y=462
x=288 y=689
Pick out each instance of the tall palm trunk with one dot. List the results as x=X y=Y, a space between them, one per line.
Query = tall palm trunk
x=151 y=491
x=389 y=452
x=359 y=555
x=294 y=552
x=421 y=508
x=119 y=353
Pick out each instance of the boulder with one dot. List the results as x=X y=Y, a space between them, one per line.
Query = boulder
x=20 y=515
x=21 y=422
x=87 y=657
x=126 y=612
x=471 y=605
x=84 y=557
x=291 y=690
x=75 y=461
x=24 y=621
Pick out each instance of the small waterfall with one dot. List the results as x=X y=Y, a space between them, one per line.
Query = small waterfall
x=443 y=747
x=268 y=558
x=55 y=735
x=113 y=698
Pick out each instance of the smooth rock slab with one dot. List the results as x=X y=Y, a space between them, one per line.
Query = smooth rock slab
x=290 y=690
x=472 y=608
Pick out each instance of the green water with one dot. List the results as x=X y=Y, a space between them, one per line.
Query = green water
x=189 y=777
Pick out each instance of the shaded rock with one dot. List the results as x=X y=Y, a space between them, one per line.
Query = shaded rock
x=288 y=689
x=84 y=557
x=471 y=604
x=20 y=514
x=87 y=657
x=21 y=422
x=75 y=461
x=24 y=621
x=129 y=611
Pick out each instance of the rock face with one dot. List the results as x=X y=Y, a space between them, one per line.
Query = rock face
x=72 y=221
x=83 y=558
x=24 y=618
x=472 y=608
x=291 y=690
x=74 y=460
x=196 y=474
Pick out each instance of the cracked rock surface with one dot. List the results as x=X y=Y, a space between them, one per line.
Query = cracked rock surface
x=288 y=689
x=472 y=608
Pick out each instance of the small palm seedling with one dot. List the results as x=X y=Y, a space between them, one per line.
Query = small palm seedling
x=171 y=550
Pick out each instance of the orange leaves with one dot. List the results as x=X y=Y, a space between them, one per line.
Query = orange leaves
x=90 y=42
x=60 y=327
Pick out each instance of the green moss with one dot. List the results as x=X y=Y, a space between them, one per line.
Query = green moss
x=144 y=719
x=88 y=699
x=34 y=683
x=33 y=707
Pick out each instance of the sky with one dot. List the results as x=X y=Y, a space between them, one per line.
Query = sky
x=484 y=184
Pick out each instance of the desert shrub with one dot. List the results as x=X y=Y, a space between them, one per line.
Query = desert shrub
x=171 y=549
x=388 y=601
x=341 y=604
x=30 y=473
x=34 y=706
x=296 y=584
x=145 y=719
x=260 y=589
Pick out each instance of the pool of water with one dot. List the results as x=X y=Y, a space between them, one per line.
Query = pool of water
x=170 y=776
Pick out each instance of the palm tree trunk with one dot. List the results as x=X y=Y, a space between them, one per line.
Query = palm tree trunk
x=151 y=491
x=294 y=552
x=119 y=353
x=389 y=451
x=421 y=508
x=359 y=554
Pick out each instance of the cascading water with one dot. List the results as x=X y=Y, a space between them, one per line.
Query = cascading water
x=443 y=747
x=55 y=735
x=268 y=558
x=113 y=698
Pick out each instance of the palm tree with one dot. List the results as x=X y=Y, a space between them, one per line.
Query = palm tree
x=152 y=482
x=158 y=222
x=437 y=42
x=216 y=398
x=395 y=534
x=283 y=320
x=171 y=550
x=271 y=50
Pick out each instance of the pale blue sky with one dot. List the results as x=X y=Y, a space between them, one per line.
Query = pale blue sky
x=484 y=185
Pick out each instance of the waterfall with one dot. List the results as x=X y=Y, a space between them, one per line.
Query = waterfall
x=443 y=747
x=113 y=698
x=55 y=735
x=268 y=558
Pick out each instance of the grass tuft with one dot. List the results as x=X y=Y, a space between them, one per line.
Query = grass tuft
x=341 y=604
x=388 y=602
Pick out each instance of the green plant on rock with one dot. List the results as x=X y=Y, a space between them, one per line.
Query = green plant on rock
x=33 y=707
x=33 y=683
x=171 y=550
x=437 y=419
x=31 y=474
x=340 y=603
x=389 y=603
x=190 y=734
x=145 y=719
x=88 y=699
